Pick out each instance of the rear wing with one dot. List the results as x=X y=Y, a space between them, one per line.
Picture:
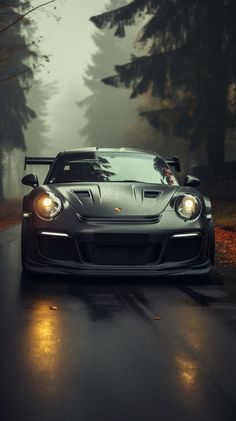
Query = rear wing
x=38 y=161
x=174 y=162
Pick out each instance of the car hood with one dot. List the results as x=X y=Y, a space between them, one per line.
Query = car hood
x=107 y=200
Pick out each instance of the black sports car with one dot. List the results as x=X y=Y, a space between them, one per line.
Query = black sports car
x=115 y=212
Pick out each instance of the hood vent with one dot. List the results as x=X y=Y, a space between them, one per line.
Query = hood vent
x=151 y=194
x=83 y=194
x=85 y=197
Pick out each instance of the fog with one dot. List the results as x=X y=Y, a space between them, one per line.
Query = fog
x=71 y=112
x=67 y=40
x=65 y=37
x=69 y=45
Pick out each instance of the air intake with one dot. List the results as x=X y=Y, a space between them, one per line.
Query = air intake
x=151 y=194
x=83 y=194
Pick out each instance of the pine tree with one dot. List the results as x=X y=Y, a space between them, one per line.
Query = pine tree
x=15 y=75
x=190 y=65
x=108 y=113
x=36 y=135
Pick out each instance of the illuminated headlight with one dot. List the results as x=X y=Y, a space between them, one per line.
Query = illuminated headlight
x=47 y=206
x=188 y=207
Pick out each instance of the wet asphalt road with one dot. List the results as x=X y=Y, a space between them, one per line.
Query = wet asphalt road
x=113 y=351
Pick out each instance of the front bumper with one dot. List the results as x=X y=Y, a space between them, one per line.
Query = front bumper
x=169 y=247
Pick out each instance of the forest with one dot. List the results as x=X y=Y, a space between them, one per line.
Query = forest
x=186 y=71
x=161 y=76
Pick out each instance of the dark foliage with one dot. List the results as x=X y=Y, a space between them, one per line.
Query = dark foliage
x=190 y=64
x=15 y=75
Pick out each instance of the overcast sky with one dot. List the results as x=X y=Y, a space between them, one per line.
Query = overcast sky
x=69 y=45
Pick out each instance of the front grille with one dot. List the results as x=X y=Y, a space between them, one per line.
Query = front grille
x=119 y=239
x=120 y=254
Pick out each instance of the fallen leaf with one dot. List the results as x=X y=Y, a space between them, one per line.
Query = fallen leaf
x=54 y=308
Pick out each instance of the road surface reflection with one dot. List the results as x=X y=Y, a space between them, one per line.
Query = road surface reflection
x=42 y=340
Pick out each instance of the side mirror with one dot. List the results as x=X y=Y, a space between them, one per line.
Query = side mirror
x=30 y=180
x=191 y=181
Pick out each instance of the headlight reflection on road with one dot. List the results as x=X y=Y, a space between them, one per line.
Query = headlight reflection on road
x=43 y=342
x=187 y=371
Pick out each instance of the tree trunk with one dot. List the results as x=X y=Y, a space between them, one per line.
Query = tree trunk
x=1 y=177
x=216 y=147
x=216 y=89
x=9 y=175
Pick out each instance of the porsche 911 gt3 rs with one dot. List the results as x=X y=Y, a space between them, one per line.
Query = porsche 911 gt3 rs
x=115 y=212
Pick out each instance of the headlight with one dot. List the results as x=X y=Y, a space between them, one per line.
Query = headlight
x=47 y=206
x=188 y=207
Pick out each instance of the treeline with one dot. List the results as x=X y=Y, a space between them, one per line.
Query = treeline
x=19 y=58
x=185 y=75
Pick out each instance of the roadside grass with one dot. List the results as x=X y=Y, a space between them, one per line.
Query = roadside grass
x=225 y=246
x=225 y=214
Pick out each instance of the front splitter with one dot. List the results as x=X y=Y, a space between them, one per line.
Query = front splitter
x=111 y=271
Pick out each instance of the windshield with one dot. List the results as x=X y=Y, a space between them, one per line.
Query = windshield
x=95 y=167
